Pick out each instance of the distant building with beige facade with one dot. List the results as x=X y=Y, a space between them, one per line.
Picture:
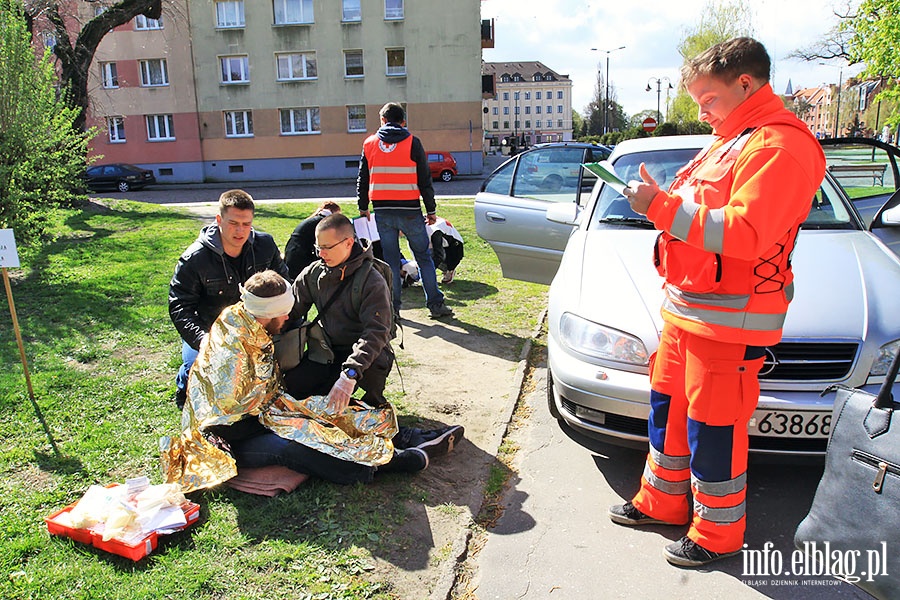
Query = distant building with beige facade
x=240 y=90
x=531 y=104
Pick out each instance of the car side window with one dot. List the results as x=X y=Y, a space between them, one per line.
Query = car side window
x=500 y=180
x=549 y=174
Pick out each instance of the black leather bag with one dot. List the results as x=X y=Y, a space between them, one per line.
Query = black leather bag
x=855 y=514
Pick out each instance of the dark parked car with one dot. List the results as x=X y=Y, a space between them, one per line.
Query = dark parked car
x=118 y=176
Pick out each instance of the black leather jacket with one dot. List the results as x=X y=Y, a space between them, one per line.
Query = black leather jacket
x=206 y=281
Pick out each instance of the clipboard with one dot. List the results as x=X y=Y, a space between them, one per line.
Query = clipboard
x=605 y=171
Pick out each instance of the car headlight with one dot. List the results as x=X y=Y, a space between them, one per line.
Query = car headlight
x=602 y=342
x=884 y=357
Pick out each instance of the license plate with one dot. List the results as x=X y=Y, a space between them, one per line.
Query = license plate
x=803 y=424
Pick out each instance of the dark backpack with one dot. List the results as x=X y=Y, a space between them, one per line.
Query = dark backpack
x=360 y=276
x=359 y=281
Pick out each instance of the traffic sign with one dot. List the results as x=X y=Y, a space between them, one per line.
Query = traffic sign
x=649 y=124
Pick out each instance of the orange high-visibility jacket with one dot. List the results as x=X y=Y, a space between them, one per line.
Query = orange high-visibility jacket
x=392 y=173
x=730 y=220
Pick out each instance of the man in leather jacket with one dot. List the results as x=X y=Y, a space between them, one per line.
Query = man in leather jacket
x=209 y=272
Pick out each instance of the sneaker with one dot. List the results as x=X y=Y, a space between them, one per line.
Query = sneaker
x=410 y=460
x=448 y=276
x=441 y=310
x=627 y=514
x=688 y=553
x=180 y=397
x=439 y=442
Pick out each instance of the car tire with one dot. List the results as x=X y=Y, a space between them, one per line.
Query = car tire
x=446 y=176
x=123 y=186
x=553 y=183
x=551 y=404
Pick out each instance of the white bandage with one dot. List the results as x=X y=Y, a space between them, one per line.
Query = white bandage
x=268 y=308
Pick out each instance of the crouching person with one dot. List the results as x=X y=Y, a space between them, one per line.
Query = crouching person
x=238 y=415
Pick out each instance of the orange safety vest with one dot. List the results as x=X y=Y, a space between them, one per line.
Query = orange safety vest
x=392 y=173
x=730 y=221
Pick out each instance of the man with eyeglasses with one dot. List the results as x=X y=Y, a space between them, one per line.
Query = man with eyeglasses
x=357 y=325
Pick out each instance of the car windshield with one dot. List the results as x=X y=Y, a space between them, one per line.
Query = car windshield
x=829 y=209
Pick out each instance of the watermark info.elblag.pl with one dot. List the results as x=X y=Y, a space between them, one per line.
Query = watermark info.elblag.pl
x=819 y=561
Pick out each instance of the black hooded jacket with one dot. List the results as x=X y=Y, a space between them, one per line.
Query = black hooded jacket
x=206 y=281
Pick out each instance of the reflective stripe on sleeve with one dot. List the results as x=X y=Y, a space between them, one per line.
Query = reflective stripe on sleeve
x=714 y=231
x=684 y=216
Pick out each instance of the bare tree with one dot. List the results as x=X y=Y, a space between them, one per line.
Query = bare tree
x=75 y=56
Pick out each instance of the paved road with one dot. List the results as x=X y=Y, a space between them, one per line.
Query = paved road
x=467 y=185
x=555 y=541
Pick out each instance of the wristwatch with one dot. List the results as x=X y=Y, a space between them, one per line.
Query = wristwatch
x=351 y=373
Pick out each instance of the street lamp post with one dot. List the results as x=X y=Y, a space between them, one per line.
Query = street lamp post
x=606 y=100
x=659 y=81
x=837 y=113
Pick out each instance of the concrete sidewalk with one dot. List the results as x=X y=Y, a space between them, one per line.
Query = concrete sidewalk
x=555 y=540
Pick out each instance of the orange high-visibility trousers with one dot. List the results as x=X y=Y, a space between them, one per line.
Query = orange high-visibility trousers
x=703 y=393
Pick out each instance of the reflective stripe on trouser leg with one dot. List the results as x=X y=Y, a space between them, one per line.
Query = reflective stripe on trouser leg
x=666 y=480
x=722 y=388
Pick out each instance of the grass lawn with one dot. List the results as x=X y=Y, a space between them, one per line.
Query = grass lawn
x=102 y=354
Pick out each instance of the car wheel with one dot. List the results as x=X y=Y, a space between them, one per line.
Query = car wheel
x=554 y=412
x=553 y=183
x=123 y=186
x=446 y=176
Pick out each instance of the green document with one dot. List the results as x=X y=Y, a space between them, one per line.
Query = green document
x=607 y=173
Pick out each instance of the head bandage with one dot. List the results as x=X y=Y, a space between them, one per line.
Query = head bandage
x=268 y=308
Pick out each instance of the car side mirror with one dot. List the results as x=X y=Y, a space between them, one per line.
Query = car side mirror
x=891 y=216
x=566 y=213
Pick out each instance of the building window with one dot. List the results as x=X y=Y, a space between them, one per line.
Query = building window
x=528 y=95
x=505 y=110
x=142 y=23
x=230 y=13
x=527 y=110
x=559 y=123
x=559 y=108
x=235 y=69
x=527 y=124
x=356 y=118
x=537 y=110
x=537 y=95
x=295 y=121
x=291 y=12
x=351 y=12
x=559 y=95
x=537 y=124
x=517 y=110
x=393 y=9
x=238 y=123
x=396 y=62
x=505 y=124
x=116 y=128
x=154 y=72
x=109 y=75
x=353 y=63
x=506 y=95
x=504 y=78
x=296 y=66
x=549 y=109
x=495 y=124
x=516 y=95
x=516 y=124
x=160 y=127
x=496 y=111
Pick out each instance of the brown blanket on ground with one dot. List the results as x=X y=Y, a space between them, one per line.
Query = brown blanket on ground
x=267 y=481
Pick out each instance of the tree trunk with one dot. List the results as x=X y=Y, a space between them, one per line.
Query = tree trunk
x=75 y=59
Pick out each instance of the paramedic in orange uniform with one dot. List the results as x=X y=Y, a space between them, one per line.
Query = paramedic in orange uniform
x=729 y=223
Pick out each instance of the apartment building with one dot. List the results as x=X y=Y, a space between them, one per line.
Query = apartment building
x=249 y=90
x=530 y=103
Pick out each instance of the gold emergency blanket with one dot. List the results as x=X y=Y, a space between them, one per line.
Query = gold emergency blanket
x=236 y=374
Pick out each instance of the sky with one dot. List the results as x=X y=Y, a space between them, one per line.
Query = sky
x=561 y=33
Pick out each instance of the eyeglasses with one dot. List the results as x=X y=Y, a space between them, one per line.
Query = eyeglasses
x=320 y=248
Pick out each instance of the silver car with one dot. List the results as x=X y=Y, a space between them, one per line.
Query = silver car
x=604 y=305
